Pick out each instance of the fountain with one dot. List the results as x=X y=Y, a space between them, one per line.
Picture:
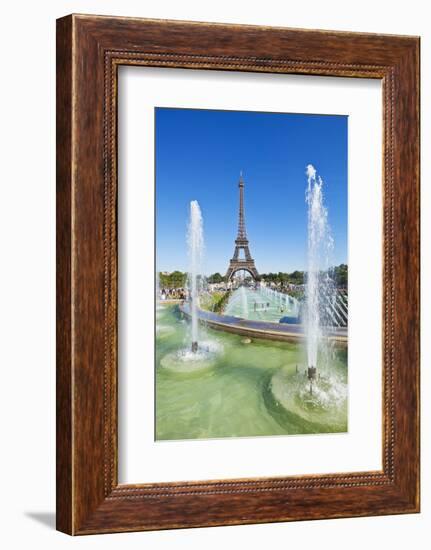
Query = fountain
x=319 y=286
x=260 y=304
x=198 y=354
x=195 y=242
x=244 y=303
x=318 y=394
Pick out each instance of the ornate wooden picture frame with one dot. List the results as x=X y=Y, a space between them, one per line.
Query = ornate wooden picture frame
x=89 y=51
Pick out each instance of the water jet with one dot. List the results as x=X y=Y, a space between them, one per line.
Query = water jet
x=318 y=284
x=195 y=243
x=196 y=355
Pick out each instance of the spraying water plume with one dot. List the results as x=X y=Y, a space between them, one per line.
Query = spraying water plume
x=319 y=285
x=199 y=354
x=195 y=241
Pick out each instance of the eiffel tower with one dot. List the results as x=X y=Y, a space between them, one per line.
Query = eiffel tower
x=241 y=243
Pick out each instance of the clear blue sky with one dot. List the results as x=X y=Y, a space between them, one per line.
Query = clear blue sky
x=199 y=155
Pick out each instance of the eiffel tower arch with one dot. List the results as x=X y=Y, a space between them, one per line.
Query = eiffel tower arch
x=241 y=244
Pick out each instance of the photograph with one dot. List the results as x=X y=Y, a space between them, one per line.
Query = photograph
x=251 y=275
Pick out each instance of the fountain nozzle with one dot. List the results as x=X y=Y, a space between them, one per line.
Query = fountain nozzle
x=311 y=376
x=311 y=373
x=194 y=347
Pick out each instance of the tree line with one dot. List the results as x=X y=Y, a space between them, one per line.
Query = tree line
x=177 y=279
x=339 y=274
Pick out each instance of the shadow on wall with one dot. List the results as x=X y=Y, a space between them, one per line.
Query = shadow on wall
x=45 y=518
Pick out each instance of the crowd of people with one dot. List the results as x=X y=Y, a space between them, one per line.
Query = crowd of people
x=172 y=294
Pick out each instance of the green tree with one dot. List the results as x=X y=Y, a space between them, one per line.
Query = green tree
x=340 y=275
x=215 y=278
x=297 y=277
x=176 y=279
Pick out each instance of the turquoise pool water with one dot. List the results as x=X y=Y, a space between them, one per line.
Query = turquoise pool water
x=261 y=305
x=237 y=389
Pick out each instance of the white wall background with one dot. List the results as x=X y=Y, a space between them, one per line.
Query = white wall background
x=27 y=307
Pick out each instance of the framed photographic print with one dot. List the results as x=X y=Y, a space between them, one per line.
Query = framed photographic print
x=237 y=274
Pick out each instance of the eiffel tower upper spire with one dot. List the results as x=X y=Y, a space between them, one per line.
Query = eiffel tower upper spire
x=241 y=242
x=242 y=234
